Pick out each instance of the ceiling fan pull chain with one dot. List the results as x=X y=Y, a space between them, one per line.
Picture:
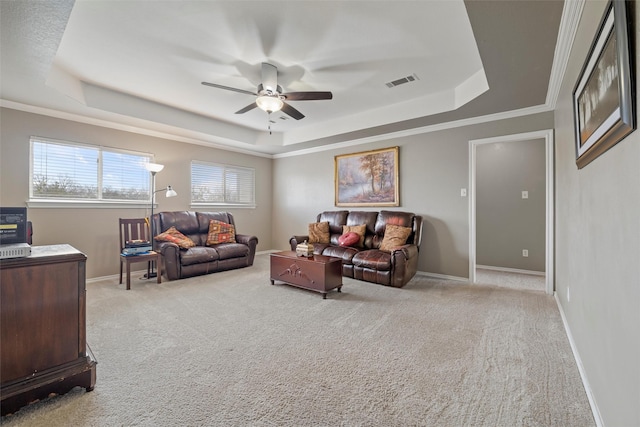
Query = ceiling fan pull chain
x=269 y=121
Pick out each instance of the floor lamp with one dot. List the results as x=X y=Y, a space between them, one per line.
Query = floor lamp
x=154 y=168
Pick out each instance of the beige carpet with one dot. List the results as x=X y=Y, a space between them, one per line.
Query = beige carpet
x=511 y=280
x=229 y=349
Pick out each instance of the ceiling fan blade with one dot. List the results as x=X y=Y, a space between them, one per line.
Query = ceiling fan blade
x=269 y=77
x=247 y=108
x=229 y=88
x=289 y=110
x=307 y=96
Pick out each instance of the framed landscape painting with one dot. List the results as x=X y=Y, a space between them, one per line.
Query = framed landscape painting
x=603 y=98
x=368 y=178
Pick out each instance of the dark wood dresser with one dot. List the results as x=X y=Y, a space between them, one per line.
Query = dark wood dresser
x=43 y=347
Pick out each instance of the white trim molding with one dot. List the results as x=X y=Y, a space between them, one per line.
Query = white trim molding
x=571 y=13
x=442 y=276
x=547 y=135
x=583 y=375
x=510 y=270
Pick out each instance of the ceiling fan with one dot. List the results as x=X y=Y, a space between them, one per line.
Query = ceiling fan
x=269 y=96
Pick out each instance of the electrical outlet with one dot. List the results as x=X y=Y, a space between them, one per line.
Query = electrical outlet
x=525 y=252
x=525 y=194
x=463 y=192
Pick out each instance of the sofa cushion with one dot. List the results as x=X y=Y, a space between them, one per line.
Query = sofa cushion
x=319 y=232
x=350 y=238
x=220 y=232
x=345 y=253
x=198 y=254
x=185 y=221
x=394 y=236
x=373 y=259
x=367 y=218
x=175 y=236
x=232 y=250
x=336 y=220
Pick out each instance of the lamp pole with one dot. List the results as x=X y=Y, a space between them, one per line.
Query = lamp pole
x=154 y=168
x=170 y=193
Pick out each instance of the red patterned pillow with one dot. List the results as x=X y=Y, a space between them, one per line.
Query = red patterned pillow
x=174 y=236
x=349 y=239
x=220 y=232
x=360 y=230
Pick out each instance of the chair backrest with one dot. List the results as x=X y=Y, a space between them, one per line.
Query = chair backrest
x=133 y=229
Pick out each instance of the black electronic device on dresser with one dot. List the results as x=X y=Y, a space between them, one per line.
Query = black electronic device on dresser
x=15 y=232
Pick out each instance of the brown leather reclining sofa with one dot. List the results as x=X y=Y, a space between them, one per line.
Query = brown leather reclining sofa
x=367 y=262
x=179 y=263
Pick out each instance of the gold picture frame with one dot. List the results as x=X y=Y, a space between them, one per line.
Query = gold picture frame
x=368 y=178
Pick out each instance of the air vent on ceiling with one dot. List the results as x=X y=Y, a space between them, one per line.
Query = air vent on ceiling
x=411 y=78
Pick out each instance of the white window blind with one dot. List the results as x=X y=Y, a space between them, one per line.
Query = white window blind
x=70 y=171
x=217 y=184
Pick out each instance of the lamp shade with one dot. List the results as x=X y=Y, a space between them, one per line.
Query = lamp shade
x=269 y=103
x=170 y=192
x=153 y=167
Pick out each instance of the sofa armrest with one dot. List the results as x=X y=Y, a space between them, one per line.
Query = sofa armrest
x=245 y=239
x=295 y=240
x=170 y=259
x=251 y=242
x=406 y=251
x=404 y=264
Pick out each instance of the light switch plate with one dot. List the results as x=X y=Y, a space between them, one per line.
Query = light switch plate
x=525 y=194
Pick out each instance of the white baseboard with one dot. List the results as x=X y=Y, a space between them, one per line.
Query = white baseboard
x=585 y=382
x=268 y=251
x=116 y=276
x=511 y=270
x=443 y=276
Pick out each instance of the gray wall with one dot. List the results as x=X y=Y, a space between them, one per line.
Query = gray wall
x=434 y=167
x=598 y=248
x=505 y=222
x=94 y=231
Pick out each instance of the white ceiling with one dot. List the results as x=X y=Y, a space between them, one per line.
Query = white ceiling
x=139 y=65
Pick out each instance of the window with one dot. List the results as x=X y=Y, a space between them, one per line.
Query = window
x=77 y=172
x=216 y=184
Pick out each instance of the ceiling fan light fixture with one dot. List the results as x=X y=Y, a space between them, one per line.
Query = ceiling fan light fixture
x=269 y=103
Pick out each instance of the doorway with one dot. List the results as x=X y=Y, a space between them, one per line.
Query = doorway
x=547 y=136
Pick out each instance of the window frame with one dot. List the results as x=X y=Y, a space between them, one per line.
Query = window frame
x=225 y=203
x=55 y=202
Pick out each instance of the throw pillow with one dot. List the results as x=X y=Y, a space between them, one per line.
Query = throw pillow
x=394 y=236
x=348 y=239
x=220 y=232
x=360 y=230
x=319 y=232
x=175 y=236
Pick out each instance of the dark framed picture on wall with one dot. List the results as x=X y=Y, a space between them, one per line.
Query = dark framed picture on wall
x=369 y=178
x=604 y=97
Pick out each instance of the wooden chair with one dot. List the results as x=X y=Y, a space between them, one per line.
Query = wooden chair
x=137 y=229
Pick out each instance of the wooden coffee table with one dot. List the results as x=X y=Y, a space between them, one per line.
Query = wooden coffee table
x=317 y=273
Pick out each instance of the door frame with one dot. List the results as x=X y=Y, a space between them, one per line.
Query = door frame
x=547 y=135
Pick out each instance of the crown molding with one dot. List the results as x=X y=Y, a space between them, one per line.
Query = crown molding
x=571 y=14
x=128 y=128
x=421 y=130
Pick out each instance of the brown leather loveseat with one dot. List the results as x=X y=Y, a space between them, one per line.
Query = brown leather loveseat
x=180 y=262
x=365 y=260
